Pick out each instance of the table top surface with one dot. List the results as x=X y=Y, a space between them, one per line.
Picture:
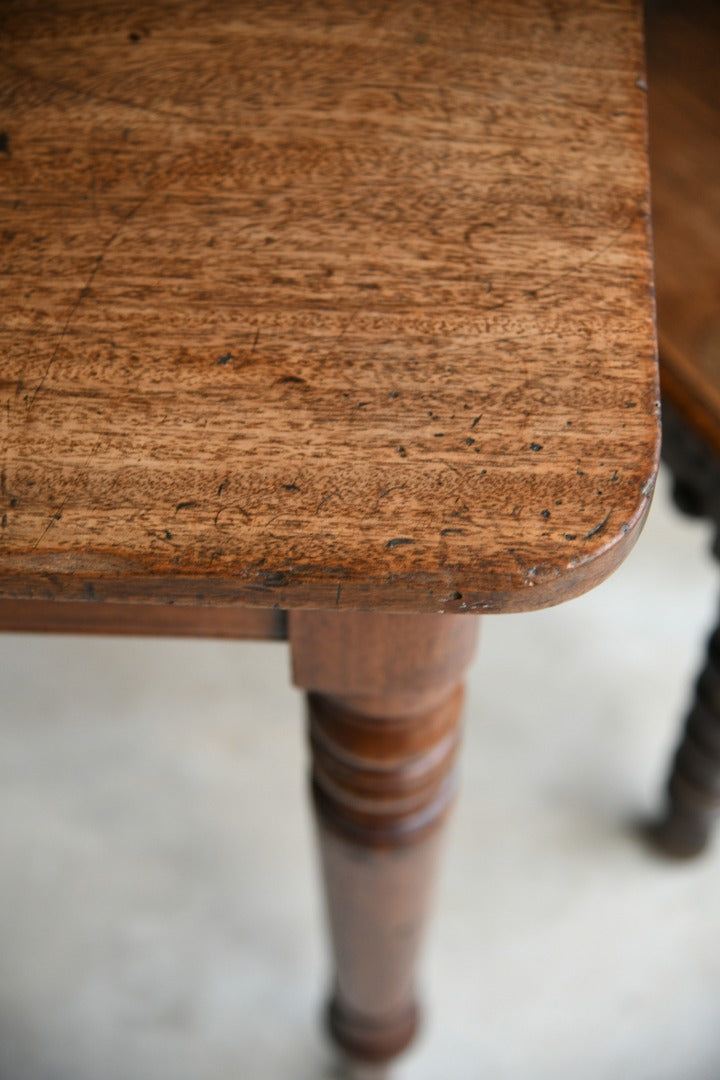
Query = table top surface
x=684 y=107
x=323 y=306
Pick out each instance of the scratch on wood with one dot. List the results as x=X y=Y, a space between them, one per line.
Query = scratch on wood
x=109 y=99
x=326 y=498
x=224 y=510
x=598 y=528
x=83 y=293
x=57 y=514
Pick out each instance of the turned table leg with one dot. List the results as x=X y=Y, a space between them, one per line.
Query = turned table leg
x=384 y=702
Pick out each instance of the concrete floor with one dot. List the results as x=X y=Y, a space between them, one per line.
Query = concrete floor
x=159 y=915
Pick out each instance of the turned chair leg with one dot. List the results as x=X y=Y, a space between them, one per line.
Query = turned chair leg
x=693 y=789
x=384 y=702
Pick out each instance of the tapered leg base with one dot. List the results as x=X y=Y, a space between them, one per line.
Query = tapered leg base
x=679 y=837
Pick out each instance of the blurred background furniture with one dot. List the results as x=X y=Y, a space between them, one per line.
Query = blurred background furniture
x=683 y=46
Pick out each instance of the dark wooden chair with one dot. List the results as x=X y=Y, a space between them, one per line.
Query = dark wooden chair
x=683 y=44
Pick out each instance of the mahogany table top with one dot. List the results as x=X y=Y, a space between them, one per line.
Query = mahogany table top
x=313 y=305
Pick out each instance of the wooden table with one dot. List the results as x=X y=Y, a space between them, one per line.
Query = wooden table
x=334 y=322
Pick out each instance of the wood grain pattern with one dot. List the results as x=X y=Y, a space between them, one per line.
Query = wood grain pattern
x=683 y=43
x=330 y=306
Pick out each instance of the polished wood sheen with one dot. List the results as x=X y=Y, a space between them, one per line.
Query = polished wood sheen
x=683 y=41
x=315 y=305
x=384 y=709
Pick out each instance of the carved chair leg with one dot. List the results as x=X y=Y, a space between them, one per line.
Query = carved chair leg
x=693 y=790
x=384 y=702
x=694 y=783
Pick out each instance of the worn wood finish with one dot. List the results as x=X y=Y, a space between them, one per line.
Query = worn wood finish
x=684 y=109
x=79 y=617
x=683 y=42
x=323 y=306
x=383 y=710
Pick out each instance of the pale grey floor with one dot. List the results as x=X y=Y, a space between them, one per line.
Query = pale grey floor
x=159 y=918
